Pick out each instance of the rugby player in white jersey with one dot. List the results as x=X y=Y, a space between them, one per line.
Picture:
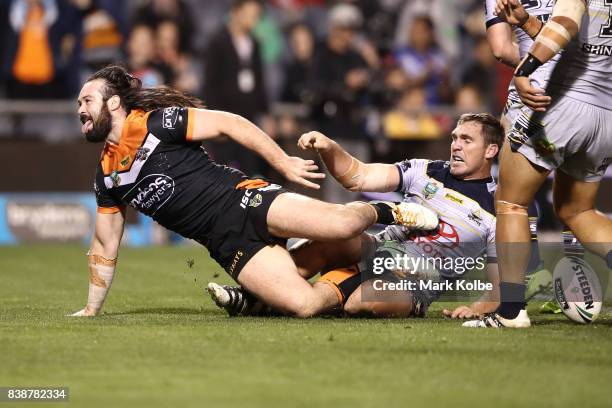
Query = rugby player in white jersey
x=567 y=128
x=525 y=24
x=460 y=191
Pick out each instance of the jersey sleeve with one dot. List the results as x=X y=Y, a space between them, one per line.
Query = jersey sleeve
x=104 y=200
x=172 y=125
x=409 y=171
x=490 y=18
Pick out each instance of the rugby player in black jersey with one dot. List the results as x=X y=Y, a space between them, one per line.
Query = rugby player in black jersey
x=460 y=191
x=152 y=161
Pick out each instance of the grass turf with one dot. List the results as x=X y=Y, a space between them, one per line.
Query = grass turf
x=160 y=342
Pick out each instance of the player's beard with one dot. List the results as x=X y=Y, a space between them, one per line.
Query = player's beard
x=101 y=127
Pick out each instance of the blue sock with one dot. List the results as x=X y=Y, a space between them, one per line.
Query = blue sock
x=512 y=299
x=609 y=259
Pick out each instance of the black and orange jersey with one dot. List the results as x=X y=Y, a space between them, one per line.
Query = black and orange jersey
x=158 y=170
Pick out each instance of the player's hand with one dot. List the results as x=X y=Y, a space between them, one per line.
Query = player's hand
x=299 y=171
x=531 y=96
x=511 y=11
x=462 y=312
x=86 y=312
x=315 y=140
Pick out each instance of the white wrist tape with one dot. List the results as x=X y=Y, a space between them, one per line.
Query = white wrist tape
x=101 y=272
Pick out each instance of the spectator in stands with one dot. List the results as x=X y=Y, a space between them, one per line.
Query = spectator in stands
x=340 y=80
x=154 y=12
x=104 y=31
x=40 y=50
x=298 y=70
x=446 y=16
x=184 y=70
x=141 y=58
x=410 y=118
x=341 y=77
x=234 y=81
x=380 y=20
x=481 y=72
x=424 y=63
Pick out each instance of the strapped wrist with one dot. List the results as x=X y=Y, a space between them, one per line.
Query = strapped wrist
x=527 y=66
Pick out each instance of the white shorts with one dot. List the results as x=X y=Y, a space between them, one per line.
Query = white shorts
x=572 y=136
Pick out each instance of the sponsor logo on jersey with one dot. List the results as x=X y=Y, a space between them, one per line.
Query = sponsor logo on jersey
x=152 y=192
x=453 y=198
x=475 y=216
x=114 y=176
x=170 y=117
x=125 y=161
x=235 y=261
x=244 y=201
x=430 y=190
x=445 y=235
x=543 y=147
x=604 y=164
x=256 y=201
x=405 y=165
x=142 y=154
x=597 y=49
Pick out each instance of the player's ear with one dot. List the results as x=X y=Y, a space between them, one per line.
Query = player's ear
x=491 y=151
x=113 y=103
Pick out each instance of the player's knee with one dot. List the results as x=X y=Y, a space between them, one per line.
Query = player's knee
x=503 y=207
x=353 y=307
x=349 y=224
x=567 y=213
x=301 y=308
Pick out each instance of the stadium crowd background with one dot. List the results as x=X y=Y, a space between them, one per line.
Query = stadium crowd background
x=386 y=78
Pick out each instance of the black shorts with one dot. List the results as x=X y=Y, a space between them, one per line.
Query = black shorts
x=242 y=230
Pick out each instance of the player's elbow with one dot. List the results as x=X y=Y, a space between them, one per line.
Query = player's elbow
x=498 y=51
x=353 y=188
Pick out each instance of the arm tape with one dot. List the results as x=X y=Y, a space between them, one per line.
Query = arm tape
x=571 y=9
x=354 y=178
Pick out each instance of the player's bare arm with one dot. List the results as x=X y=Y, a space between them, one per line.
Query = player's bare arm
x=210 y=124
x=499 y=37
x=555 y=35
x=349 y=171
x=102 y=259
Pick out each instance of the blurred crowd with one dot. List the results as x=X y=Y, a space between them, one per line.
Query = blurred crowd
x=360 y=70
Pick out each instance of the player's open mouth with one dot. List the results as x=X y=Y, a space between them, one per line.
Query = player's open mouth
x=87 y=125
x=457 y=159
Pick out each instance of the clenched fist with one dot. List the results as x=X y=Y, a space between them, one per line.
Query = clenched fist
x=315 y=140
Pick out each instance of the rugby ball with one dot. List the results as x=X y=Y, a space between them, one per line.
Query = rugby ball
x=577 y=289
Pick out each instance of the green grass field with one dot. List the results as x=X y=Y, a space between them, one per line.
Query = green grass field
x=162 y=343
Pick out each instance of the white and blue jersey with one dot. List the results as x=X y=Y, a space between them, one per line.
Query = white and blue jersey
x=465 y=209
x=542 y=9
